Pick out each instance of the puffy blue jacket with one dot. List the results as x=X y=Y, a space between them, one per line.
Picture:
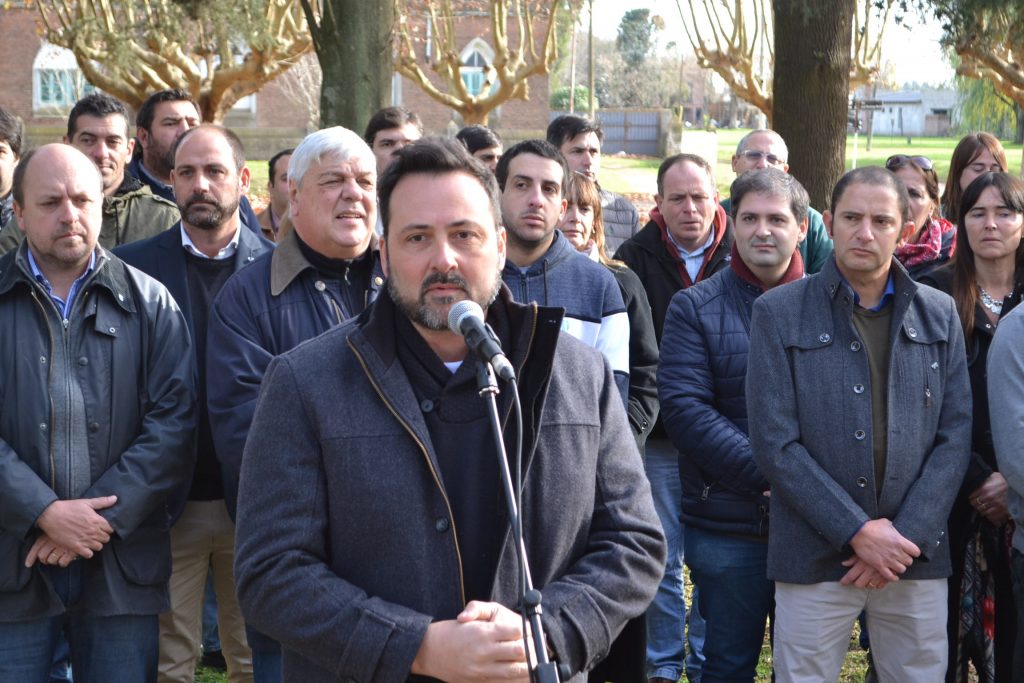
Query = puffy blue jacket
x=701 y=379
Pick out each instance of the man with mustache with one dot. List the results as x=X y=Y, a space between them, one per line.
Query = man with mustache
x=194 y=260
x=542 y=264
x=325 y=270
x=373 y=535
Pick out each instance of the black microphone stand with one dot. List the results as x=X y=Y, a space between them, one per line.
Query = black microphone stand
x=546 y=671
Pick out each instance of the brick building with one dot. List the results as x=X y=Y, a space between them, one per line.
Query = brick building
x=39 y=82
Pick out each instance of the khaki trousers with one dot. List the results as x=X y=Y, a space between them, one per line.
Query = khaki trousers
x=906 y=619
x=202 y=540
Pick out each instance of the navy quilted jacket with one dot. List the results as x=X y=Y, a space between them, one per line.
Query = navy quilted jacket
x=701 y=380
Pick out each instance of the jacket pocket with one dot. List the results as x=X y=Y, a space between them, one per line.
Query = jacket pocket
x=145 y=556
x=14 y=575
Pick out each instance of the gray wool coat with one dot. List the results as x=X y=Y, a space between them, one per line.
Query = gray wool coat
x=347 y=548
x=809 y=406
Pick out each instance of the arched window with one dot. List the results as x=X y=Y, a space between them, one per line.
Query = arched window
x=57 y=82
x=476 y=63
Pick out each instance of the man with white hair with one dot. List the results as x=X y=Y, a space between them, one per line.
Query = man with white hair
x=326 y=270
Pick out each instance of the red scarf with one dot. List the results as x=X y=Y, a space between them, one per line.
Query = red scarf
x=795 y=271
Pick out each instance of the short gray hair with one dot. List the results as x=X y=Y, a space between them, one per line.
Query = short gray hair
x=335 y=141
x=742 y=146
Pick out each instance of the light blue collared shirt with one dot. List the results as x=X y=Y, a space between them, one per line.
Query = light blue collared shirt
x=693 y=260
x=63 y=306
x=227 y=251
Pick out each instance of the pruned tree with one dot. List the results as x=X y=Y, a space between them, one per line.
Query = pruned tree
x=353 y=41
x=301 y=85
x=219 y=52
x=736 y=39
x=523 y=35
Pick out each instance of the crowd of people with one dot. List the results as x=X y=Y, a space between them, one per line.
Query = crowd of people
x=258 y=434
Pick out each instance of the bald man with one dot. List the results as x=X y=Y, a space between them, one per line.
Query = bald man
x=97 y=418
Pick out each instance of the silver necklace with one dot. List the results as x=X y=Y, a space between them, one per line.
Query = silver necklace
x=990 y=303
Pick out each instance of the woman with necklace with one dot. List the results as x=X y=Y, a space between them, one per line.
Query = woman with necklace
x=985 y=281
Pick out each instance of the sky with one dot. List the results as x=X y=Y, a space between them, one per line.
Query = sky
x=913 y=49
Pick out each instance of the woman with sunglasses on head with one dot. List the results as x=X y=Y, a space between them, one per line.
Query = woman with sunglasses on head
x=975 y=154
x=932 y=242
x=986 y=281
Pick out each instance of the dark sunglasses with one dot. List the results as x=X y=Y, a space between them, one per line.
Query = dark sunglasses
x=899 y=160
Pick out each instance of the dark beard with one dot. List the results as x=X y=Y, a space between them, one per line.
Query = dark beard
x=432 y=319
x=212 y=217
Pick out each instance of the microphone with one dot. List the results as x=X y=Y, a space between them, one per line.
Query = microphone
x=466 y=319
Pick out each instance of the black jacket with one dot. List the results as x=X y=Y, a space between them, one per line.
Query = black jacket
x=642 y=406
x=128 y=346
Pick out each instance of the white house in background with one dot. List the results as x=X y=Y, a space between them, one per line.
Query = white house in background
x=912 y=113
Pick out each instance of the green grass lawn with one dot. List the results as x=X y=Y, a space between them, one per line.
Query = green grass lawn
x=629 y=174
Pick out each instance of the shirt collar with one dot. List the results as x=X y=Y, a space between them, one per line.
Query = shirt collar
x=227 y=252
x=696 y=252
x=887 y=294
x=153 y=180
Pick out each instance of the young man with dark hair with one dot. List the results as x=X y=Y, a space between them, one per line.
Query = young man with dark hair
x=161 y=120
x=580 y=139
x=380 y=421
x=483 y=143
x=98 y=127
x=389 y=130
x=543 y=266
x=725 y=498
x=275 y=215
x=11 y=134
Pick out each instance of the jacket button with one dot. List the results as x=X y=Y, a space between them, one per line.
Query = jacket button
x=320 y=286
x=855 y=346
x=862 y=482
x=83 y=361
x=94 y=427
x=42 y=359
x=859 y=434
x=426 y=405
x=824 y=338
x=858 y=388
x=441 y=525
x=42 y=426
x=912 y=332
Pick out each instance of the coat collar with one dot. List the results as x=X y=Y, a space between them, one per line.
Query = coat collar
x=288 y=263
x=109 y=274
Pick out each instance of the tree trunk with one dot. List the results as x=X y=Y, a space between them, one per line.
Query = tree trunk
x=811 y=87
x=354 y=47
x=1018 y=115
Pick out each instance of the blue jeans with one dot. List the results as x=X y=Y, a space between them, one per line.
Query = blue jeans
x=117 y=649
x=266 y=657
x=735 y=598
x=666 y=617
x=211 y=638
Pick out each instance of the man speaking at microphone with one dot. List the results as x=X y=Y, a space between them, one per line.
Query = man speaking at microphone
x=373 y=538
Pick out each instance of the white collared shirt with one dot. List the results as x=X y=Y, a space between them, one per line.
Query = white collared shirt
x=227 y=252
x=693 y=260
